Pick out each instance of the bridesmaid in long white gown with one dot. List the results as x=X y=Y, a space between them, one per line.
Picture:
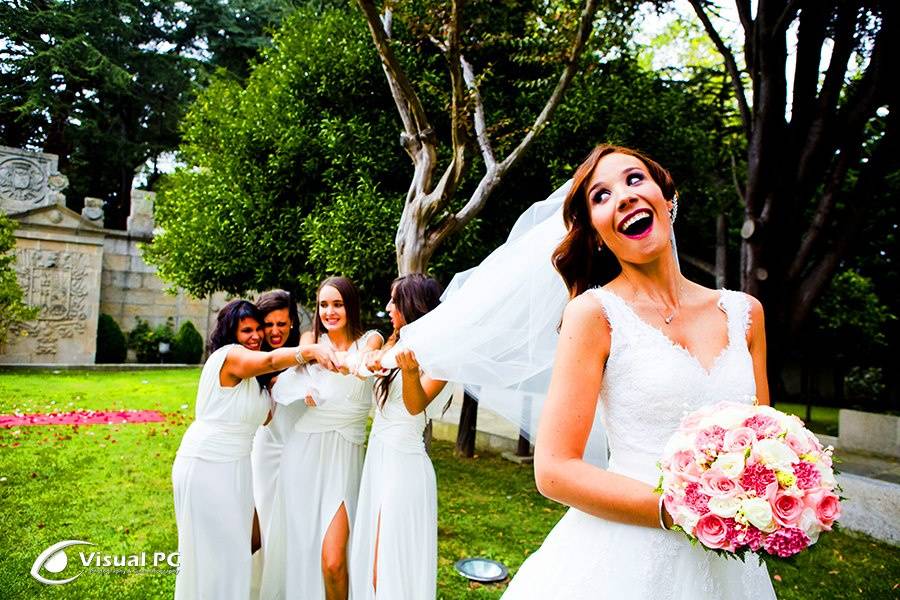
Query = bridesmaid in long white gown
x=647 y=346
x=393 y=551
x=211 y=473
x=281 y=327
x=322 y=461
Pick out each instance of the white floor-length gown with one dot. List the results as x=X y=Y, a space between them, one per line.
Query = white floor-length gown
x=398 y=489
x=265 y=459
x=648 y=384
x=213 y=488
x=321 y=466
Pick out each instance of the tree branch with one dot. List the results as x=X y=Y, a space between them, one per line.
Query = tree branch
x=705 y=266
x=790 y=11
x=730 y=64
x=484 y=142
x=418 y=133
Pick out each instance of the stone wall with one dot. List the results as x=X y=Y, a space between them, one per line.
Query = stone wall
x=131 y=289
x=74 y=269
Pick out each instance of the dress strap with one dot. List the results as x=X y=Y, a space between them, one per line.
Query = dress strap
x=737 y=307
x=364 y=338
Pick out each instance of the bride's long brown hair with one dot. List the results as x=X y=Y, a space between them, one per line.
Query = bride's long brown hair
x=577 y=258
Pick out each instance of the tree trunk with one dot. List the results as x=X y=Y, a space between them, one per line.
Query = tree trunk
x=465 y=435
x=721 y=250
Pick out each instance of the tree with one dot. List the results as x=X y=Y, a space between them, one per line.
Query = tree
x=13 y=309
x=819 y=147
x=429 y=217
x=286 y=177
x=104 y=85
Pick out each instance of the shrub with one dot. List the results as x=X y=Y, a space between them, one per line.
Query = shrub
x=188 y=347
x=145 y=340
x=111 y=345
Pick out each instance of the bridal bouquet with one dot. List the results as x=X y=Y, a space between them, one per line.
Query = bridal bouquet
x=739 y=477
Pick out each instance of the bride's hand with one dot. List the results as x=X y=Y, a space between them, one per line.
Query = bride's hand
x=340 y=363
x=372 y=360
x=310 y=401
x=406 y=360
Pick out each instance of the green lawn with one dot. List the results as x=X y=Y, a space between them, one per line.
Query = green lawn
x=110 y=485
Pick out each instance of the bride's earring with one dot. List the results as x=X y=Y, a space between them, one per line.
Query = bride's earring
x=673 y=212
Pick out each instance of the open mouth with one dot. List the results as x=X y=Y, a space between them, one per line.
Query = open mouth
x=637 y=223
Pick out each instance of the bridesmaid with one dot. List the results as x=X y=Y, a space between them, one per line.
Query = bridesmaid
x=322 y=460
x=394 y=547
x=281 y=325
x=211 y=473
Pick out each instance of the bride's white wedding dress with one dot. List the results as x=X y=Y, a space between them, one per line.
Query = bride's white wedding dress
x=649 y=383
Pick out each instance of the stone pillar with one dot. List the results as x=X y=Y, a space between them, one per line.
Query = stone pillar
x=140 y=221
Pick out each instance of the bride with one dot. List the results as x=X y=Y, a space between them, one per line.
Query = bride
x=647 y=346
x=630 y=357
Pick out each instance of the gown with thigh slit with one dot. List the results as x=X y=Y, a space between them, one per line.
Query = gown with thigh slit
x=213 y=487
x=321 y=465
x=648 y=384
x=397 y=510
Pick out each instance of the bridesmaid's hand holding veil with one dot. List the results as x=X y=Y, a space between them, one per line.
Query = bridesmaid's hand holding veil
x=406 y=361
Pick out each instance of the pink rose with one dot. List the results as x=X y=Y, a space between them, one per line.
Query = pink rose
x=798 y=443
x=787 y=510
x=738 y=439
x=712 y=531
x=682 y=460
x=715 y=483
x=826 y=505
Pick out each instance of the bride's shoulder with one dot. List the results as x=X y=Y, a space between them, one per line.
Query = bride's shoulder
x=586 y=307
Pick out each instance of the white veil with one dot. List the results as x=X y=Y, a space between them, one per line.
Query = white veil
x=496 y=329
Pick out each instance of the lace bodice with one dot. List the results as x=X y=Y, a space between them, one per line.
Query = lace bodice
x=650 y=382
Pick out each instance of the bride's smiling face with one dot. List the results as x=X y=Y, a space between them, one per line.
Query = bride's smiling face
x=627 y=209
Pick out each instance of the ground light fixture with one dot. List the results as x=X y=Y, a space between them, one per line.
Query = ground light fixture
x=482 y=570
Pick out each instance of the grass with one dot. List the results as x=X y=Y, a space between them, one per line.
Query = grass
x=110 y=485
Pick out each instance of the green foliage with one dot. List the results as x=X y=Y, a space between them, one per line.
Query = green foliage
x=864 y=384
x=13 y=309
x=145 y=341
x=853 y=312
x=188 y=346
x=107 y=83
x=111 y=344
x=290 y=177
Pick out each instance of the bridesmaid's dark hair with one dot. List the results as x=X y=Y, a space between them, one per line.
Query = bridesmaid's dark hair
x=227 y=322
x=577 y=257
x=350 y=296
x=277 y=300
x=414 y=295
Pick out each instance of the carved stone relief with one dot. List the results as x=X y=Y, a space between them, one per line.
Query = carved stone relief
x=29 y=180
x=57 y=282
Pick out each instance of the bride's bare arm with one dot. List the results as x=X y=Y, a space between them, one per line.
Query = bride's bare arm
x=756 y=340
x=560 y=472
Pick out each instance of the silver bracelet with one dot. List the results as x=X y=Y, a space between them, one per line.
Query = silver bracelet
x=298 y=356
x=662 y=522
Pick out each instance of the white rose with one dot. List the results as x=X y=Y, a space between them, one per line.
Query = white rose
x=731 y=464
x=758 y=512
x=793 y=424
x=688 y=520
x=678 y=442
x=732 y=416
x=723 y=506
x=810 y=525
x=826 y=475
x=776 y=454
